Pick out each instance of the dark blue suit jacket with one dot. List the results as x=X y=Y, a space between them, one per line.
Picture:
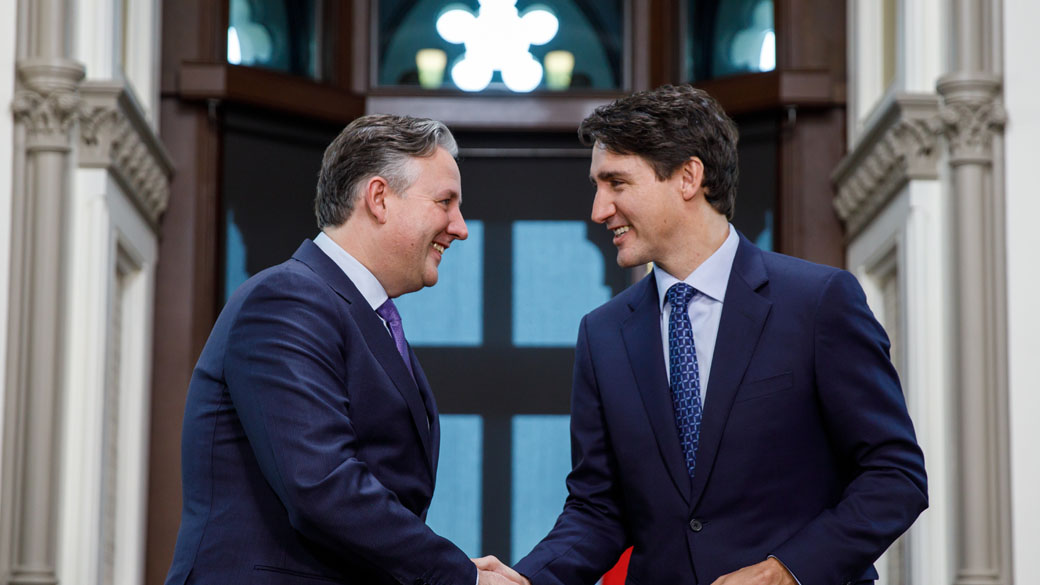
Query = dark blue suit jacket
x=806 y=449
x=308 y=451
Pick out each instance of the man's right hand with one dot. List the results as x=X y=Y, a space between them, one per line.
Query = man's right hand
x=494 y=572
x=489 y=578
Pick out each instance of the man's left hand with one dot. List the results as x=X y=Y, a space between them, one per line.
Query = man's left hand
x=768 y=572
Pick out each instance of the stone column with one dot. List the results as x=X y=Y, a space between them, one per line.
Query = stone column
x=973 y=118
x=46 y=107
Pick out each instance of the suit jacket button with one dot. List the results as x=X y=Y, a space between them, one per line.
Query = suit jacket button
x=695 y=525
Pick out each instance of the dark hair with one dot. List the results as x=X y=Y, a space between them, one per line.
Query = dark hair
x=666 y=126
x=374 y=145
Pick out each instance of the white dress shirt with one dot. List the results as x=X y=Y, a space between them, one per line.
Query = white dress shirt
x=366 y=282
x=710 y=280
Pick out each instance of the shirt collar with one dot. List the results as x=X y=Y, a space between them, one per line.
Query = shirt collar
x=363 y=279
x=710 y=278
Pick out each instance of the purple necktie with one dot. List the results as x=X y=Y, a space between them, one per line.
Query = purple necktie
x=393 y=319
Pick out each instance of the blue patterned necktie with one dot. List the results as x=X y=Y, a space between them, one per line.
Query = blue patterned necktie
x=388 y=311
x=684 y=375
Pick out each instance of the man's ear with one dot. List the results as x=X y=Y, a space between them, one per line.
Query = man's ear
x=374 y=196
x=691 y=175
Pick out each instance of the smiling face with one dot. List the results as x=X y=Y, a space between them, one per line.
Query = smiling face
x=424 y=220
x=644 y=212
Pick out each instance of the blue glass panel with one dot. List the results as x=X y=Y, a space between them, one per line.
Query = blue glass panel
x=744 y=36
x=275 y=34
x=557 y=278
x=235 y=258
x=541 y=462
x=451 y=312
x=765 y=238
x=757 y=190
x=456 y=507
x=729 y=38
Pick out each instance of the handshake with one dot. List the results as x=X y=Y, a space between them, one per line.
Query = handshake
x=491 y=571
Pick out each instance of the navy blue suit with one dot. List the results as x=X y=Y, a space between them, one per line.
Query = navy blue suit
x=806 y=448
x=309 y=452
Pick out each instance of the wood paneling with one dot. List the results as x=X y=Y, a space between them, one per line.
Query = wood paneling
x=811 y=37
x=186 y=270
x=279 y=92
x=811 y=144
x=185 y=309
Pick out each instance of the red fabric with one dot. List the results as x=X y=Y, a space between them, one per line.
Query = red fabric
x=616 y=576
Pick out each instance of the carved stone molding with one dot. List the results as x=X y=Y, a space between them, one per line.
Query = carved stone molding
x=113 y=132
x=972 y=114
x=901 y=145
x=114 y=135
x=47 y=103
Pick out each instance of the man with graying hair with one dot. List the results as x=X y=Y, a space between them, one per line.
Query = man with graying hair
x=311 y=436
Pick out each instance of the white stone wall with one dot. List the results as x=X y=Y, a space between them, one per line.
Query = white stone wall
x=113 y=249
x=906 y=241
x=109 y=357
x=1022 y=143
x=8 y=19
x=931 y=45
x=920 y=37
x=101 y=26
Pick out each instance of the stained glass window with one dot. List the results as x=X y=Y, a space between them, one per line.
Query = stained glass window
x=728 y=37
x=503 y=45
x=276 y=34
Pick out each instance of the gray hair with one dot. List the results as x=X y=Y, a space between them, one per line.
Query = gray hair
x=375 y=145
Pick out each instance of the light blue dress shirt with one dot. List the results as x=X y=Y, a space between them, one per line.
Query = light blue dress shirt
x=710 y=279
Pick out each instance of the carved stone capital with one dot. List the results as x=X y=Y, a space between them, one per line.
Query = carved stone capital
x=47 y=102
x=972 y=115
x=48 y=118
x=902 y=144
x=115 y=135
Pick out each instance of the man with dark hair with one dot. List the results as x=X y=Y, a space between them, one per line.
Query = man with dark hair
x=735 y=416
x=311 y=436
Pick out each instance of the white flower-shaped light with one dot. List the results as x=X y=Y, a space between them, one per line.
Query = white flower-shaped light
x=497 y=38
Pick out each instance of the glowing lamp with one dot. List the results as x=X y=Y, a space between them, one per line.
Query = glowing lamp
x=497 y=38
x=559 y=65
x=431 y=64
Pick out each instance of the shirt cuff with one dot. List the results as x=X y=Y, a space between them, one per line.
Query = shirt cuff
x=795 y=577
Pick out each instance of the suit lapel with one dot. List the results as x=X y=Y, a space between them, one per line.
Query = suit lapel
x=642 y=335
x=375 y=334
x=382 y=345
x=744 y=313
x=431 y=413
